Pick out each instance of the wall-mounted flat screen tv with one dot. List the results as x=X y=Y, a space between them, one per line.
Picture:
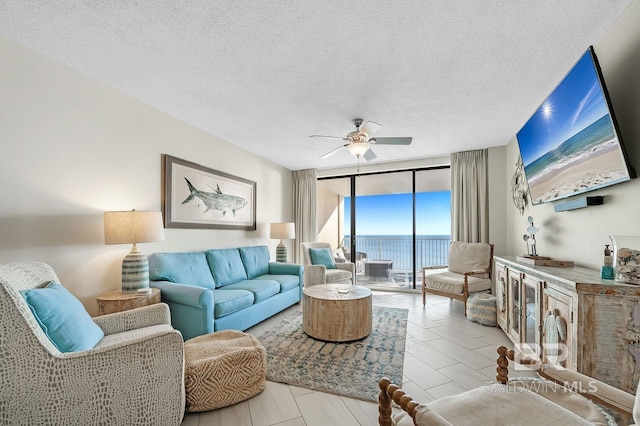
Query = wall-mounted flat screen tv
x=572 y=145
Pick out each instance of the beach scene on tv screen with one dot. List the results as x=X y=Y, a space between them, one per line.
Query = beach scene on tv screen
x=570 y=145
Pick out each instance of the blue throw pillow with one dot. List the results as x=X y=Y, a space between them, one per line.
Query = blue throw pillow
x=322 y=256
x=63 y=318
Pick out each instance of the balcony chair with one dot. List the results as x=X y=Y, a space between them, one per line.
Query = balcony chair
x=558 y=397
x=468 y=271
x=321 y=268
x=132 y=375
x=360 y=258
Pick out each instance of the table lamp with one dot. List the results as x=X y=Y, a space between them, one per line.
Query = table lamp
x=282 y=231
x=132 y=227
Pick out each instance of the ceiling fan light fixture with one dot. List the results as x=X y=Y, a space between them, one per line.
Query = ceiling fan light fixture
x=358 y=148
x=360 y=140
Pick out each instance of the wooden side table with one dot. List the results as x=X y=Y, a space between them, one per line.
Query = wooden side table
x=337 y=312
x=117 y=301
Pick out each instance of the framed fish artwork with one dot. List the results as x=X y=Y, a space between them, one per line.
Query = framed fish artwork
x=196 y=196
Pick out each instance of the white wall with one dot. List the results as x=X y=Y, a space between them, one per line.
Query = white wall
x=580 y=235
x=330 y=216
x=73 y=148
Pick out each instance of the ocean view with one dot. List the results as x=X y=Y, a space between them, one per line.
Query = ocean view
x=431 y=250
x=583 y=144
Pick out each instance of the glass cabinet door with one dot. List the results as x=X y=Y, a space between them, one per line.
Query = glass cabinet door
x=557 y=336
x=501 y=295
x=530 y=314
x=515 y=292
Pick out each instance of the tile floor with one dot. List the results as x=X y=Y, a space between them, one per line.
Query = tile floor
x=445 y=354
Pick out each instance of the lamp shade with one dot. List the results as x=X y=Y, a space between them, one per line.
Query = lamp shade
x=280 y=231
x=132 y=227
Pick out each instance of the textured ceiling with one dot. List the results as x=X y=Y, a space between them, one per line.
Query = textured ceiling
x=455 y=75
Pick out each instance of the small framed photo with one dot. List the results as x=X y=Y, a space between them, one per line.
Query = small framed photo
x=196 y=196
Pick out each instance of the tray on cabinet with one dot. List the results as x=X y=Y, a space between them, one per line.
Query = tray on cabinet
x=545 y=261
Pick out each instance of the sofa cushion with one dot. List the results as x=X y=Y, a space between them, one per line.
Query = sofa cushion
x=261 y=289
x=226 y=266
x=229 y=301
x=287 y=282
x=467 y=257
x=255 y=260
x=62 y=318
x=181 y=268
x=322 y=256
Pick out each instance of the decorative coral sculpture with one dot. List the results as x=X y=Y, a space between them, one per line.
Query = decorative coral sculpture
x=531 y=239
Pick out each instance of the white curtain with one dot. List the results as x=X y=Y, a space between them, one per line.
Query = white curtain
x=469 y=196
x=305 y=201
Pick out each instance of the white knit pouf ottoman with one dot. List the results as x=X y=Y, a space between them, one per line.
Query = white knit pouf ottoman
x=481 y=308
x=223 y=368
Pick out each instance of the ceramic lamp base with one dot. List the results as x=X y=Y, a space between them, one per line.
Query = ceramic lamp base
x=281 y=252
x=135 y=272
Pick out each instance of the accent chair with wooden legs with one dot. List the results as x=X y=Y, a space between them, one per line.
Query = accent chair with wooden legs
x=558 y=397
x=468 y=271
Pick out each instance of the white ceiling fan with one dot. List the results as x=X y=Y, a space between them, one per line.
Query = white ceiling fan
x=359 y=141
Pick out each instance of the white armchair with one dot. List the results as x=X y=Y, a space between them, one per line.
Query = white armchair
x=134 y=375
x=344 y=273
x=469 y=271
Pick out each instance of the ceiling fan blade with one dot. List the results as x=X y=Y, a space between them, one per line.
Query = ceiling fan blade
x=370 y=128
x=330 y=137
x=370 y=155
x=392 y=141
x=333 y=151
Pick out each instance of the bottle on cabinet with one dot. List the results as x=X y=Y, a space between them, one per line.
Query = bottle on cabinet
x=607 y=272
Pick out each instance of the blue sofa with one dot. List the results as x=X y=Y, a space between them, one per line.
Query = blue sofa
x=223 y=289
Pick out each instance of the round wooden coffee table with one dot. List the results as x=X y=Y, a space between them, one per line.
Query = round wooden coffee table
x=336 y=312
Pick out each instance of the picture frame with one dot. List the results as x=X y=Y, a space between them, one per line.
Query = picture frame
x=196 y=196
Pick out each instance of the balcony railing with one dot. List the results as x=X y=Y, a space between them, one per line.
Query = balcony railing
x=430 y=250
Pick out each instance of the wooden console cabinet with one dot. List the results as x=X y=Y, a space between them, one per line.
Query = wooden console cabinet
x=596 y=320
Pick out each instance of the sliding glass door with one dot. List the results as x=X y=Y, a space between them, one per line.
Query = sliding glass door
x=390 y=224
x=433 y=217
x=384 y=228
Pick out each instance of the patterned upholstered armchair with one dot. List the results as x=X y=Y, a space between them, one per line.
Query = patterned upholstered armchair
x=134 y=375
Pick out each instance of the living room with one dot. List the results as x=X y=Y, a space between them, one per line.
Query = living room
x=75 y=147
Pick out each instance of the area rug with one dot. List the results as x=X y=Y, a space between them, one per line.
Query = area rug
x=349 y=369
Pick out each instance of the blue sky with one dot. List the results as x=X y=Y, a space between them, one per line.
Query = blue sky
x=576 y=102
x=392 y=214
